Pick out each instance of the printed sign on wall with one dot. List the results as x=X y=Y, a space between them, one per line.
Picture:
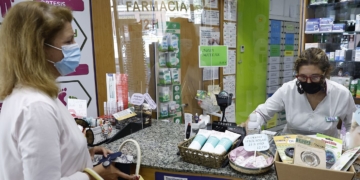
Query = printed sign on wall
x=81 y=83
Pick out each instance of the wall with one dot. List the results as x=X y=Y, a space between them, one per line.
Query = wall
x=251 y=72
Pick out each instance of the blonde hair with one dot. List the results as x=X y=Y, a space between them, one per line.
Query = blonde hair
x=25 y=29
x=316 y=57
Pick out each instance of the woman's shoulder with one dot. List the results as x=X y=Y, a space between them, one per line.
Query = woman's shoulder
x=26 y=96
x=336 y=88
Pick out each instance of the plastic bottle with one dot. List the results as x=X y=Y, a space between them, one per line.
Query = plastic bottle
x=188 y=131
x=196 y=117
x=253 y=126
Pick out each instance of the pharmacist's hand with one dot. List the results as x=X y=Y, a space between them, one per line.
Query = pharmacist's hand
x=245 y=125
x=112 y=173
x=99 y=150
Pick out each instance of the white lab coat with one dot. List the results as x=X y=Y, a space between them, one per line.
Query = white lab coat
x=300 y=117
x=39 y=139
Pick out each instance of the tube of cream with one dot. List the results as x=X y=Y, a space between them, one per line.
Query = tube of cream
x=213 y=140
x=226 y=141
x=200 y=139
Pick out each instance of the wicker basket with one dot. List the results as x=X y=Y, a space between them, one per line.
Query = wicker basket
x=202 y=158
x=252 y=170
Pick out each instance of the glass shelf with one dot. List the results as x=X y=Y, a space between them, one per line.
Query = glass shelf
x=344 y=33
x=355 y=3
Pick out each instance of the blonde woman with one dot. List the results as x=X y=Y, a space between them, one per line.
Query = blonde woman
x=39 y=139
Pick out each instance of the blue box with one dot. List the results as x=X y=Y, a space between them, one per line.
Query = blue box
x=338 y=27
x=312 y=25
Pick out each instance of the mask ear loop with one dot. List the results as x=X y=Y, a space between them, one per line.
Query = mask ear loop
x=299 y=88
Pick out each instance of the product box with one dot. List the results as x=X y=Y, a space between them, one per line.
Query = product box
x=315 y=45
x=294 y=172
x=326 y=21
x=288 y=66
x=273 y=67
x=273 y=75
x=312 y=25
x=273 y=82
x=326 y=27
x=309 y=152
x=274 y=60
x=287 y=73
x=338 y=28
x=289 y=59
x=357 y=54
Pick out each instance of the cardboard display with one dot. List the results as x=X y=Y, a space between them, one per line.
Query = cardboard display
x=295 y=172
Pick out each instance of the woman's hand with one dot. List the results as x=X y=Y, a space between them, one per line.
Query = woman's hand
x=112 y=173
x=99 y=150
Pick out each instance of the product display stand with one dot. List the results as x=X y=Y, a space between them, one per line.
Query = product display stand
x=167 y=74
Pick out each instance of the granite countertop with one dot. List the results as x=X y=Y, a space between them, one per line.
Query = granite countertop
x=158 y=145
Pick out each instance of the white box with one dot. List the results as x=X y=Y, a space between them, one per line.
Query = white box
x=273 y=82
x=274 y=60
x=272 y=89
x=273 y=67
x=288 y=66
x=287 y=73
x=273 y=75
x=288 y=59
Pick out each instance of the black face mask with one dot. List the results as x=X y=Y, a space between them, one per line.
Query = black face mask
x=311 y=88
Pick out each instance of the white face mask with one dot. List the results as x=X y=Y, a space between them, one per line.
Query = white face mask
x=71 y=58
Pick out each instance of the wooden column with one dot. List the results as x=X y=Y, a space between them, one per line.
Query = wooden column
x=103 y=47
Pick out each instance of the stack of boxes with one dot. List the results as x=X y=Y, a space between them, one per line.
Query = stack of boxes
x=283 y=50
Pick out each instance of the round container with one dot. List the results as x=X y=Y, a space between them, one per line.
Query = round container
x=246 y=170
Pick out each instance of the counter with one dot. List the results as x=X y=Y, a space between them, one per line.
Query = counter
x=159 y=149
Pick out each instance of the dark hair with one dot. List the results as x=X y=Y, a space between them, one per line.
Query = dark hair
x=316 y=57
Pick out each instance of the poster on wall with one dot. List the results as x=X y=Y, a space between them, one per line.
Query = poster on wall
x=81 y=83
x=211 y=4
x=209 y=36
x=230 y=10
x=210 y=17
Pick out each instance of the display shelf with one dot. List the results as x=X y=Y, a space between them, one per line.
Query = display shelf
x=167 y=117
x=355 y=3
x=334 y=32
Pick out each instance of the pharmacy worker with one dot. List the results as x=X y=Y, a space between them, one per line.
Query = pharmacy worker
x=313 y=103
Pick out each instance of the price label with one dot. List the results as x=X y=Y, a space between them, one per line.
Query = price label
x=137 y=99
x=150 y=101
x=257 y=142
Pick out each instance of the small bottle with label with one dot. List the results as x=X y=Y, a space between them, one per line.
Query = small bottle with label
x=196 y=118
x=253 y=126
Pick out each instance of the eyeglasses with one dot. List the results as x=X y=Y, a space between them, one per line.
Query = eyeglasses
x=313 y=78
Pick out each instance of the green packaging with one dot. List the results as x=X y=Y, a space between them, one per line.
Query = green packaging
x=177 y=120
x=164 y=110
x=172 y=108
x=353 y=87
x=162 y=59
x=282 y=143
x=164 y=76
x=175 y=76
x=163 y=44
x=173 y=42
x=164 y=94
x=172 y=60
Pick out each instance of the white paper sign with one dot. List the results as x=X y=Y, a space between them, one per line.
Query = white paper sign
x=256 y=142
x=77 y=107
x=150 y=101
x=137 y=99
